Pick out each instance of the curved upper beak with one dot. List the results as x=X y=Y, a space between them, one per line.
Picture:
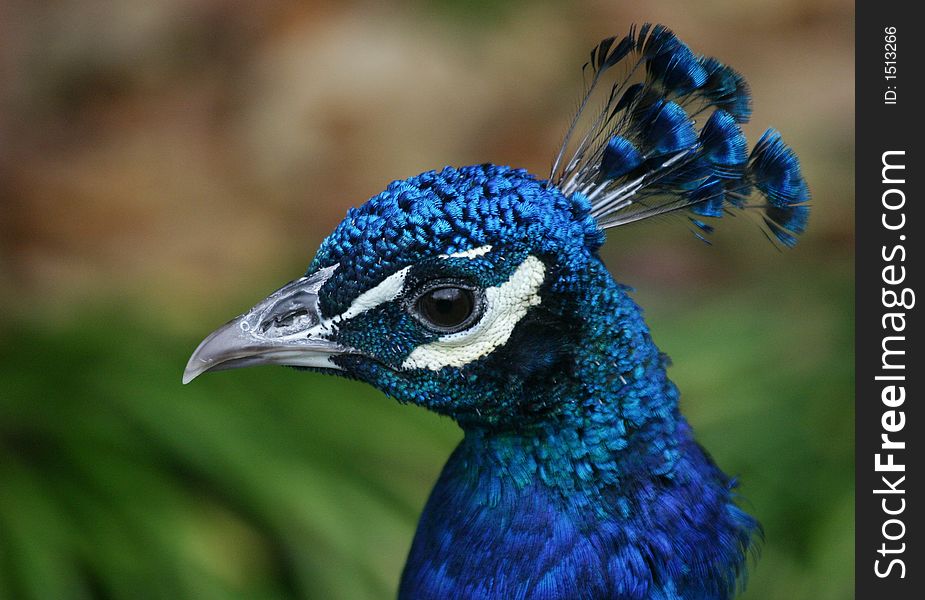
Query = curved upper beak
x=286 y=328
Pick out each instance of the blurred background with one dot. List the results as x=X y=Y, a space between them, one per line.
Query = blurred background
x=165 y=164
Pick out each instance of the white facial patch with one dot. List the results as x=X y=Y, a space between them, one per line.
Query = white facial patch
x=388 y=289
x=506 y=305
x=471 y=253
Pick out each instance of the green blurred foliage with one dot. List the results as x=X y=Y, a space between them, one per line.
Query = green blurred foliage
x=163 y=165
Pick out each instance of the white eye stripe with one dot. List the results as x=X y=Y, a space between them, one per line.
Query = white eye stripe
x=387 y=290
x=471 y=253
x=505 y=306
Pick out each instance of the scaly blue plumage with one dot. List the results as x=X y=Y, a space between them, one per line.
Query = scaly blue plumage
x=479 y=293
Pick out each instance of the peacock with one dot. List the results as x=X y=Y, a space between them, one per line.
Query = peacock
x=479 y=293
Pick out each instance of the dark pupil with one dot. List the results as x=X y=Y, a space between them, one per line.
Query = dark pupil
x=447 y=307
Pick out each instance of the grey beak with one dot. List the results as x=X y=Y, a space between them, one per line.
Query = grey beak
x=286 y=328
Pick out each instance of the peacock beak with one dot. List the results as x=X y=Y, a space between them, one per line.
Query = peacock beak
x=286 y=328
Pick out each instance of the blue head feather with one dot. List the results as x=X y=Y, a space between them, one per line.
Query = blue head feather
x=724 y=146
x=665 y=128
x=775 y=170
x=725 y=89
x=620 y=158
x=709 y=200
x=670 y=62
x=644 y=155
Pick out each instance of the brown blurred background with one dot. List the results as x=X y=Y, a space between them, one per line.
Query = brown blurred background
x=164 y=164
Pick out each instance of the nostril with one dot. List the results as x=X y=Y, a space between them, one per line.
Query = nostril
x=283 y=320
x=290 y=314
x=288 y=318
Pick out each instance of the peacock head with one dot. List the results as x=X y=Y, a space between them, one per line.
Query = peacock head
x=471 y=291
x=455 y=290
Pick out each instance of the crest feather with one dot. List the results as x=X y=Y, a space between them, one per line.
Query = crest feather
x=672 y=141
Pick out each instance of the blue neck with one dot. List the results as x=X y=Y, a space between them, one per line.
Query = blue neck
x=606 y=496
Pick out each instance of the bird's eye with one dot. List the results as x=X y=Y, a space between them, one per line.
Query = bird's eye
x=447 y=308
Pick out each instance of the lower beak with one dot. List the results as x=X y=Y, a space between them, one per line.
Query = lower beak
x=286 y=328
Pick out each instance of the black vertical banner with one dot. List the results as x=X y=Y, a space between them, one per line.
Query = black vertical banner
x=890 y=371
